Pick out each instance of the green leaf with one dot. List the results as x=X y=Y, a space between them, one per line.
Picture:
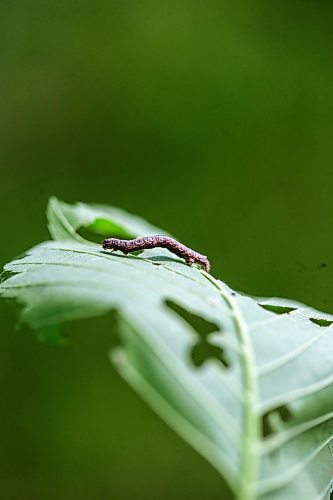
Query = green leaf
x=65 y=220
x=257 y=402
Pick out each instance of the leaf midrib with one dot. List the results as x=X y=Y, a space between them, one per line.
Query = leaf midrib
x=250 y=466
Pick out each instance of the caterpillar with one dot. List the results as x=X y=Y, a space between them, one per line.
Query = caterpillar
x=127 y=246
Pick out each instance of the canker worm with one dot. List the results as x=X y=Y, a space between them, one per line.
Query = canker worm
x=127 y=246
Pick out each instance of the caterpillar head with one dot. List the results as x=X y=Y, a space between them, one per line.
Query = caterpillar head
x=112 y=244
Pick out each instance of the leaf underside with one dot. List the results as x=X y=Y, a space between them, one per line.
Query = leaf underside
x=253 y=394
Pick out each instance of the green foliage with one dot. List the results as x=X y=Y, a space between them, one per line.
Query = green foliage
x=247 y=382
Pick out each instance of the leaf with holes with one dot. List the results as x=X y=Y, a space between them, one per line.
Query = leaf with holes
x=248 y=382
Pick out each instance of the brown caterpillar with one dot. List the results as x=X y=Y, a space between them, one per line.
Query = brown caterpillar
x=127 y=246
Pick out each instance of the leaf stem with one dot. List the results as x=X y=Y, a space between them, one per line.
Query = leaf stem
x=249 y=468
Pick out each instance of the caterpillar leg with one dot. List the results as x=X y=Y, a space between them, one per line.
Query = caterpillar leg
x=189 y=261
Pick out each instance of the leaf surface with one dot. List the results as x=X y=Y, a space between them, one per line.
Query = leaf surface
x=258 y=406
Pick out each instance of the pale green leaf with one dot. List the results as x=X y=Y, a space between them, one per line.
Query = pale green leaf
x=259 y=407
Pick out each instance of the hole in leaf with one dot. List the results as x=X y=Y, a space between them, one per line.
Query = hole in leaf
x=5 y=275
x=90 y=235
x=321 y=322
x=201 y=325
x=203 y=349
x=282 y=412
x=277 y=309
x=106 y=227
x=101 y=228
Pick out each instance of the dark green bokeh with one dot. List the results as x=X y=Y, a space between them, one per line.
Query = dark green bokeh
x=211 y=119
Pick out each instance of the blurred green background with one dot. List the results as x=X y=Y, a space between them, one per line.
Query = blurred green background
x=211 y=119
